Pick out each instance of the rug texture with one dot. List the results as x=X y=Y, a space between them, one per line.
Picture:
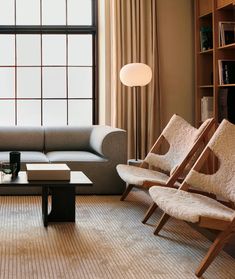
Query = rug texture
x=108 y=240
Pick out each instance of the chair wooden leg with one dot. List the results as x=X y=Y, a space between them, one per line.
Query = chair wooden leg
x=213 y=252
x=149 y=213
x=126 y=192
x=161 y=223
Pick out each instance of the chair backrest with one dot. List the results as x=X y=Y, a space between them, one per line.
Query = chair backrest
x=181 y=137
x=222 y=182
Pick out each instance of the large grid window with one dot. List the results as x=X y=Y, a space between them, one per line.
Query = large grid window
x=48 y=62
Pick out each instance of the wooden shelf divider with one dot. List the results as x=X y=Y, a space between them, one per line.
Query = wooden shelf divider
x=208 y=14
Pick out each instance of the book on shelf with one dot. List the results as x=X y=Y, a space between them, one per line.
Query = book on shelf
x=226 y=101
x=206 y=107
x=222 y=104
x=206 y=41
x=226 y=71
x=226 y=32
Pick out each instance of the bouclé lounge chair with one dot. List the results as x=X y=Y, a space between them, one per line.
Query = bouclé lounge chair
x=202 y=210
x=183 y=141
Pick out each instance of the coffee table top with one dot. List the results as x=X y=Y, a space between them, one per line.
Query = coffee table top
x=76 y=178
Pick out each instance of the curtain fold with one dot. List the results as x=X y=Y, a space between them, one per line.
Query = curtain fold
x=134 y=39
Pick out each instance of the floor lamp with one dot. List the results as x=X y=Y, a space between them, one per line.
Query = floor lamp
x=136 y=75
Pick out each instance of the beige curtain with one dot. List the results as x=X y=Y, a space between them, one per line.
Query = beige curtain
x=134 y=39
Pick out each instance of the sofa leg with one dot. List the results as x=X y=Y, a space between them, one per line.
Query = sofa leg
x=126 y=192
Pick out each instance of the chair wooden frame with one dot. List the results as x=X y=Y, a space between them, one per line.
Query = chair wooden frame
x=225 y=228
x=179 y=170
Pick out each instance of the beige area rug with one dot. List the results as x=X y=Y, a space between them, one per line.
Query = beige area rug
x=107 y=241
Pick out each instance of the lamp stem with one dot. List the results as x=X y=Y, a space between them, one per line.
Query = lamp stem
x=136 y=123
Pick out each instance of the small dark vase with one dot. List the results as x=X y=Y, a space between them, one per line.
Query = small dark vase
x=15 y=159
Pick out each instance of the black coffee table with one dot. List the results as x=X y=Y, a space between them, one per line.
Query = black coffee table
x=62 y=194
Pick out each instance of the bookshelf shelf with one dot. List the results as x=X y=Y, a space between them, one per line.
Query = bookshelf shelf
x=226 y=85
x=230 y=46
x=208 y=51
x=226 y=6
x=205 y=15
x=206 y=86
x=214 y=62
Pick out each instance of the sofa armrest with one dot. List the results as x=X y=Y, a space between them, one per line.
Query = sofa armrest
x=109 y=142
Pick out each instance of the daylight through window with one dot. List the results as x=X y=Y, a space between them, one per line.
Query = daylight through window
x=48 y=62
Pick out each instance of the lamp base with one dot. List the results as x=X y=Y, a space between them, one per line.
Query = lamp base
x=134 y=162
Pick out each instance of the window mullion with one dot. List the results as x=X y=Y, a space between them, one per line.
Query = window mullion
x=70 y=62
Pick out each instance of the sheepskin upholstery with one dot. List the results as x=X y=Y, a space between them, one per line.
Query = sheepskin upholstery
x=188 y=206
x=136 y=175
x=222 y=182
x=181 y=136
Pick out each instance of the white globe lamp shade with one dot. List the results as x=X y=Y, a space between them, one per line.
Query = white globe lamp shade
x=135 y=74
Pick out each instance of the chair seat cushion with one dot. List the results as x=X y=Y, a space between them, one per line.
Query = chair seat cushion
x=137 y=176
x=74 y=156
x=189 y=206
x=26 y=157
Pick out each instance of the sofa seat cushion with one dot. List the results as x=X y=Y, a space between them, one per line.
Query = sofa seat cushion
x=26 y=157
x=73 y=156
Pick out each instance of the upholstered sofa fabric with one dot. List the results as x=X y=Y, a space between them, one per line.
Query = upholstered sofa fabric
x=21 y=138
x=96 y=150
x=73 y=156
x=67 y=138
x=26 y=157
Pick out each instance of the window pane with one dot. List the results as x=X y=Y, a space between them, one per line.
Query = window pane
x=7 y=16
x=7 y=83
x=28 y=12
x=28 y=113
x=54 y=112
x=79 y=12
x=80 y=50
x=7 y=113
x=54 y=82
x=28 y=50
x=7 y=50
x=28 y=82
x=80 y=82
x=53 y=12
x=80 y=112
x=54 y=49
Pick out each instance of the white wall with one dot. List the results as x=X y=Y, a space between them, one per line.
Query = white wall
x=176 y=54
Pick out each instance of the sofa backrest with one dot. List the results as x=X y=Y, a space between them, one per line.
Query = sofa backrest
x=67 y=138
x=21 y=138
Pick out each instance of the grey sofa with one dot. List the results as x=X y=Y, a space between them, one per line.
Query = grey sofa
x=95 y=150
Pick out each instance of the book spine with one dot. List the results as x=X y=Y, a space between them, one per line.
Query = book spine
x=222 y=104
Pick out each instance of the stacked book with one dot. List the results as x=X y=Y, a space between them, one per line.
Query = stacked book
x=206 y=108
x=48 y=172
x=226 y=71
x=226 y=32
x=206 y=40
x=226 y=100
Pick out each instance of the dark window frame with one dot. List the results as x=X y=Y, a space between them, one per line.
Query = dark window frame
x=64 y=30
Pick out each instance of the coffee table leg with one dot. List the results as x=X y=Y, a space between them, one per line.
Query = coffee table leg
x=62 y=204
x=45 y=205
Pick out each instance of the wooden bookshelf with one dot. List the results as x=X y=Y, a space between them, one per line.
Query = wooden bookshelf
x=206 y=86
x=211 y=14
x=229 y=46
